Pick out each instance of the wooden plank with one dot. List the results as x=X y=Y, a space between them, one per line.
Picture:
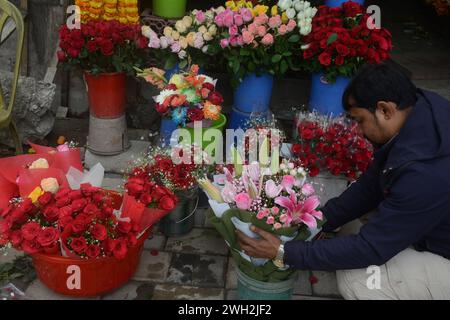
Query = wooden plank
x=24 y=60
x=53 y=67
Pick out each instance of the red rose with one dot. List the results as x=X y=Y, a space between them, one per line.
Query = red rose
x=62 y=193
x=27 y=206
x=132 y=240
x=73 y=52
x=307 y=54
x=65 y=211
x=314 y=171
x=30 y=230
x=146 y=199
x=47 y=237
x=339 y=61
x=158 y=193
x=195 y=114
x=120 y=251
x=62 y=202
x=142 y=42
x=107 y=47
x=325 y=59
x=110 y=244
x=134 y=189
x=5 y=212
x=215 y=98
x=296 y=149
x=51 y=213
x=18 y=217
x=61 y=56
x=65 y=221
x=54 y=249
x=16 y=238
x=107 y=212
x=99 y=232
x=5 y=225
x=45 y=199
x=166 y=203
x=342 y=50
x=79 y=225
x=87 y=189
x=79 y=245
x=124 y=227
x=161 y=108
x=75 y=194
x=91 y=209
x=30 y=246
x=93 y=251
x=78 y=205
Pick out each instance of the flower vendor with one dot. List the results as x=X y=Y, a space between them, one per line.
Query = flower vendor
x=407 y=188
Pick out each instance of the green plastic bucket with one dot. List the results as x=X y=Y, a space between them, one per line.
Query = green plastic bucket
x=169 y=8
x=181 y=220
x=251 y=289
x=217 y=124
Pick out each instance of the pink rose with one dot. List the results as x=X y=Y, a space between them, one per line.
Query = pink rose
x=63 y=148
x=275 y=210
x=219 y=20
x=233 y=30
x=240 y=41
x=272 y=190
x=291 y=25
x=175 y=47
x=238 y=20
x=275 y=22
x=277 y=226
x=228 y=19
x=247 y=37
x=308 y=190
x=282 y=29
x=224 y=43
x=243 y=201
x=200 y=16
x=261 y=215
x=262 y=19
x=253 y=28
x=247 y=15
x=270 y=220
x=262 y=31
x=234 y=41
x=267 y=40
x=288 y=182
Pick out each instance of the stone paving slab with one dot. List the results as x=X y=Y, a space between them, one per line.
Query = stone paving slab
x=120 y=162
x=133 y=290
x=303 y=285
x=113 y=181
x=231 y=276
x=153 y=267
x=199 y=241
x=9 y=255
x=174 y=292
x=197 y=270
x=326 y=284
x=38 y=291
x=231 y=295
x=156 y=241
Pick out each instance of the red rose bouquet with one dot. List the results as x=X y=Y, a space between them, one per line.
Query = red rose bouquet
x=341 y=41
x=334 y=145
x=102 y=47
x=80 y=222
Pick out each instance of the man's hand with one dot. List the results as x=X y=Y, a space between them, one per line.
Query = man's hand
x=266 y=247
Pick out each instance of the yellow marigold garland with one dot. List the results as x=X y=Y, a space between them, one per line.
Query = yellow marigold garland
x=124 y=11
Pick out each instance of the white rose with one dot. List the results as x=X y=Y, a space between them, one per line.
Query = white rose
x=164 y=42
x=207 y=36
x=175 y=35
x=301 y=15
x=213 y=30
x=308 y=12
x=299 y=6
x=205 y=49
x=180 y=26
x=313 y=12
x=182 y=54
x=307 y=4
x=40 y=163
x=50 y=185
x=168 y=32
x=146 y=31
x=293 y=173
x=187 y=21
x=202 y=29
x=308 y=21
x=285 y=4
x=291 y=13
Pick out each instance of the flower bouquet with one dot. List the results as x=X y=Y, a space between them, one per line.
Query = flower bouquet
x=333 y=145
x=276 y=199
x=342 y=40
x=188 y=100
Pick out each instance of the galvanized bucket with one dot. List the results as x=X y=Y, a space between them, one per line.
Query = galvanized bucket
x=181 y=220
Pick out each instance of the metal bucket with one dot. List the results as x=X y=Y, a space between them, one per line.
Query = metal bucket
x=251 y=289
x=107 y=136
x=181 y=220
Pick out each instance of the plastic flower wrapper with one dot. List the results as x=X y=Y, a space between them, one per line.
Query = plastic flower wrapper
x=94 y=177
x=11 y=166
x=8 y=191
x=63 y=156
x=33 y=182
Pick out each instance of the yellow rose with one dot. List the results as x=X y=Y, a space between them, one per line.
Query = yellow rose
x=40 y=163
x=187 y=21
x=50 y=185
x=191 y=38
x=180 y=26
x=207 y=36
x=35 y=194
x=179 y=81
x=168 y=32
x=284 y=17
x=274 y=11
x=260 y=9
x=212 y=30
x=202 y=29
x=230 y=4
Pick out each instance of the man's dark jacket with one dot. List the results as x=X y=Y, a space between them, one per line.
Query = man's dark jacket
x=409 y=185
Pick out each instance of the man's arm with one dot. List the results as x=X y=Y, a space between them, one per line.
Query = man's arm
x=417 y=203
x=360 y=198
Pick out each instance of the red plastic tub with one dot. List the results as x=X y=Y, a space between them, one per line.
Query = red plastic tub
x=85 y=278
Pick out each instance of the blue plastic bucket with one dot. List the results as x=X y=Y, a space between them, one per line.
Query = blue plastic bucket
x=167 y=128
x=251 y=289
x=338 y=3
x=326 y=98
x=254 y=93
x=240 y=120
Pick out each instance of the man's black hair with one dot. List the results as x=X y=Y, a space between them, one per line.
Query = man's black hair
x=380 y=82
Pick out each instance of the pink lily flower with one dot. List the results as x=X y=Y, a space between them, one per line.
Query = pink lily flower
x=300 y=212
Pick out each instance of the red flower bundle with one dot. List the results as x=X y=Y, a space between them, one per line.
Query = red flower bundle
x=102 y=46
x=337 y=146
x=343 y=39
x=82 y=220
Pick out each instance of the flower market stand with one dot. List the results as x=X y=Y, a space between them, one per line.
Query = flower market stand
x=87 y=278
